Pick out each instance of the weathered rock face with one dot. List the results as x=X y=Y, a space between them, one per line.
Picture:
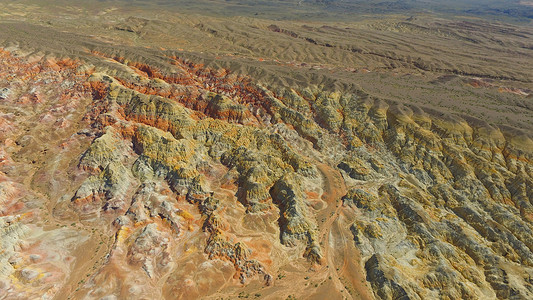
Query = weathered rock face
x=294 y=221
x=447 y=217
x=187 y=181
x=382 y=279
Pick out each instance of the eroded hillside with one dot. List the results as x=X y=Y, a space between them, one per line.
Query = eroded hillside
x=133 y=173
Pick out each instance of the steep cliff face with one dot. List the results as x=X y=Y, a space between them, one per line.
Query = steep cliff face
x=199 y=179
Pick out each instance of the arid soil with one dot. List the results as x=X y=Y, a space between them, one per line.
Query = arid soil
x=150 y=153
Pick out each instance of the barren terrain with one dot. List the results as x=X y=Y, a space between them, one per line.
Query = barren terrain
x=274 y=149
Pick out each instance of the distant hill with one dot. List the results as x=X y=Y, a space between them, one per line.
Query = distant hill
x=323 y=9
x=511 y=8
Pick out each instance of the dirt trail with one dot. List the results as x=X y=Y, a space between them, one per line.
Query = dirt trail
x=334 y=190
